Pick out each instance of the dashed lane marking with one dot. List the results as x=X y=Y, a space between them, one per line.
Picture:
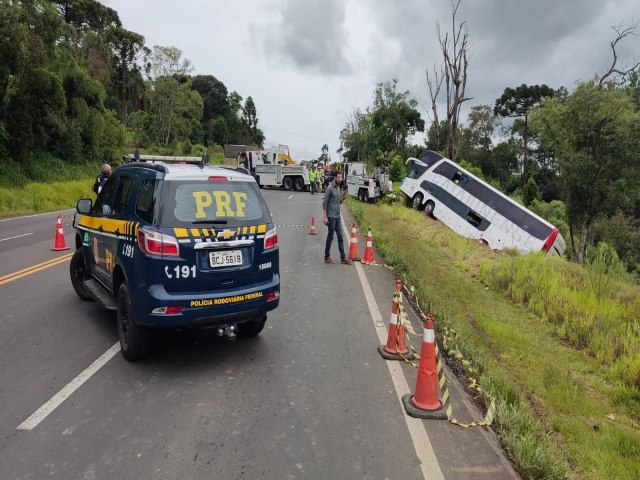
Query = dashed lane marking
x=55 y=401
x=16 y=236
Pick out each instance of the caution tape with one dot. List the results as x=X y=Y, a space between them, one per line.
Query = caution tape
x=442 y=379
x=293 y=226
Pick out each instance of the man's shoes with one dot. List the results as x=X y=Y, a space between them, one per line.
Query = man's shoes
x=328 y=260
x=346 y=261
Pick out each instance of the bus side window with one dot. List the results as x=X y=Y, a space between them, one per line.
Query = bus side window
x=474 y=219
x=459 y=178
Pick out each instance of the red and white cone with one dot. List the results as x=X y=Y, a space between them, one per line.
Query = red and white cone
x=396 y=349
x=353 y=247
x=58 y=240
x=312 y=230
x=368 y=251
x=426 y=402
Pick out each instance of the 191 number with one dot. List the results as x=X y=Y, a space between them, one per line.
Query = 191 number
x=127 y=250
x=183 y=271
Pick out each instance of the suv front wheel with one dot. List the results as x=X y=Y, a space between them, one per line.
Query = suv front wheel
x=134 y=340
x=78 y=272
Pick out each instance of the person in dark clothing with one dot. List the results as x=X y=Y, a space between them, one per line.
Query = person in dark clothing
x=136 y=154
x=333 y=197
x=101 y=179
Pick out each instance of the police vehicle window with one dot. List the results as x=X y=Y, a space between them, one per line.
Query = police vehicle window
x=104 y=204
x=123 y=194
x=222 y=202
x=146 y=200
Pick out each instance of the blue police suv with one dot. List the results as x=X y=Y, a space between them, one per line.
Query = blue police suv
x=177 y=245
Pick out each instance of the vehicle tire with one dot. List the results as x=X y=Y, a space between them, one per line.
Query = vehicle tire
x=416 y=203
x=134 y=339
x=360 y=195
x=365 y=196
x=287 y=183
x=252 y=327
x=429 y=208
x=299 y=184
x=78 y=272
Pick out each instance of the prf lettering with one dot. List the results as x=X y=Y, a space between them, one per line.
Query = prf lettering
x=225 y=205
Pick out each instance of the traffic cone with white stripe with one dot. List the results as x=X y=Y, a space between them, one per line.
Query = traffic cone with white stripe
x=426 y=402
x=58 y=240
x=353 y=247
x=396 y=349
x=368 y=250
x=312 y=230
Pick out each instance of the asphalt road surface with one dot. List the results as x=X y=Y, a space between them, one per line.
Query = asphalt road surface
x=310 y=398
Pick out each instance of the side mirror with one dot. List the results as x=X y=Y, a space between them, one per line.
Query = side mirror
x=84 y=205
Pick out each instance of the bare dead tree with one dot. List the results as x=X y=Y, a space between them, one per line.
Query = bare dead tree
x=456 y=60
x=619 y=76
x=435 y=84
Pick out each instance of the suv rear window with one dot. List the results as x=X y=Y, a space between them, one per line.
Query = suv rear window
x=216 y=202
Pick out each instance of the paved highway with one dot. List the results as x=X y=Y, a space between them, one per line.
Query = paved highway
x=310 y=398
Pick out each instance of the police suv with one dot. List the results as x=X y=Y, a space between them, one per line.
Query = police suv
x=177 y=245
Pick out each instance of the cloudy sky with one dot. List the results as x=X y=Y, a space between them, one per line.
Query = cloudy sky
x=308 y=63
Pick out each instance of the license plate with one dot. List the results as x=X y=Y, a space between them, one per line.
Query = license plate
x=228 y=258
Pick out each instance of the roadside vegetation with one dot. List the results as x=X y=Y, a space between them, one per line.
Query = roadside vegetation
x=536 y=332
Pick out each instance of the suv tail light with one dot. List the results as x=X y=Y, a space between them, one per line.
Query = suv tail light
x=157 y=244
x=271 y=239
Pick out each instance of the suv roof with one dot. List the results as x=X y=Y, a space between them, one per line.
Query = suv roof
x=189 y=171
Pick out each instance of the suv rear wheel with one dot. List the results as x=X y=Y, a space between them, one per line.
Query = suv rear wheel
x=252 y=327
x=134 y=340
x=78 y=272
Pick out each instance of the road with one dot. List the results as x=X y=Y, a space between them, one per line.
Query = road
x=309 y=398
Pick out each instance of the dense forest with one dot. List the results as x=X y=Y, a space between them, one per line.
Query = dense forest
x=571 y=157
x=76 y=86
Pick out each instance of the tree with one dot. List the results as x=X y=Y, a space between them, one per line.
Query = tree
x=454 y=50
x=218 y=132
x=395 y=118
x=130 y=60
x=519 y=102
x=594 y=135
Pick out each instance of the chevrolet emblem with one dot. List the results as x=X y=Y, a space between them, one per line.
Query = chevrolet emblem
x=226 y=234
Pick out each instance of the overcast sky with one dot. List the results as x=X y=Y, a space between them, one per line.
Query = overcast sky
x=308 y=63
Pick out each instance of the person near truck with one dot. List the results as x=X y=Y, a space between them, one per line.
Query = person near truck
x=312 y=181
x=333 y=197
x=105 y=173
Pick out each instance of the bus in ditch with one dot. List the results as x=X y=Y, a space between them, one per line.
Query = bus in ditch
x=474 y=209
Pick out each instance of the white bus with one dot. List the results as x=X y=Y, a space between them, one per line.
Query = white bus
x=474 y=209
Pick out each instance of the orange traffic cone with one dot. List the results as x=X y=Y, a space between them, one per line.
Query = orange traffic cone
x=396 y=349
x=368 y=250
x=353 y=247
x=59 y=238
x=426 y=402
x=312 y=230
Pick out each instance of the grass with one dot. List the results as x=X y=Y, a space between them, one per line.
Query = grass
x=44 y=197
x=561 y=411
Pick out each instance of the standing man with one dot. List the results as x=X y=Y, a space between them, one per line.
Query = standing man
x=312 y=180
x=136 y=154
x=101 y=179
x=332 y=199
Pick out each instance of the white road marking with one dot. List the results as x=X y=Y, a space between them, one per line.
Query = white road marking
x=424 y=450
x=55 y=401
x=290 y=197
x=37 y=215
x=17 y=236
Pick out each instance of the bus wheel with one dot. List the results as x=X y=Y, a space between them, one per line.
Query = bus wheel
x=287 y=183
x=428 y=208
x=417 y=202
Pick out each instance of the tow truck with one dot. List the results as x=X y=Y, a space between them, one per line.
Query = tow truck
x=274 y=167
x=366 y=187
